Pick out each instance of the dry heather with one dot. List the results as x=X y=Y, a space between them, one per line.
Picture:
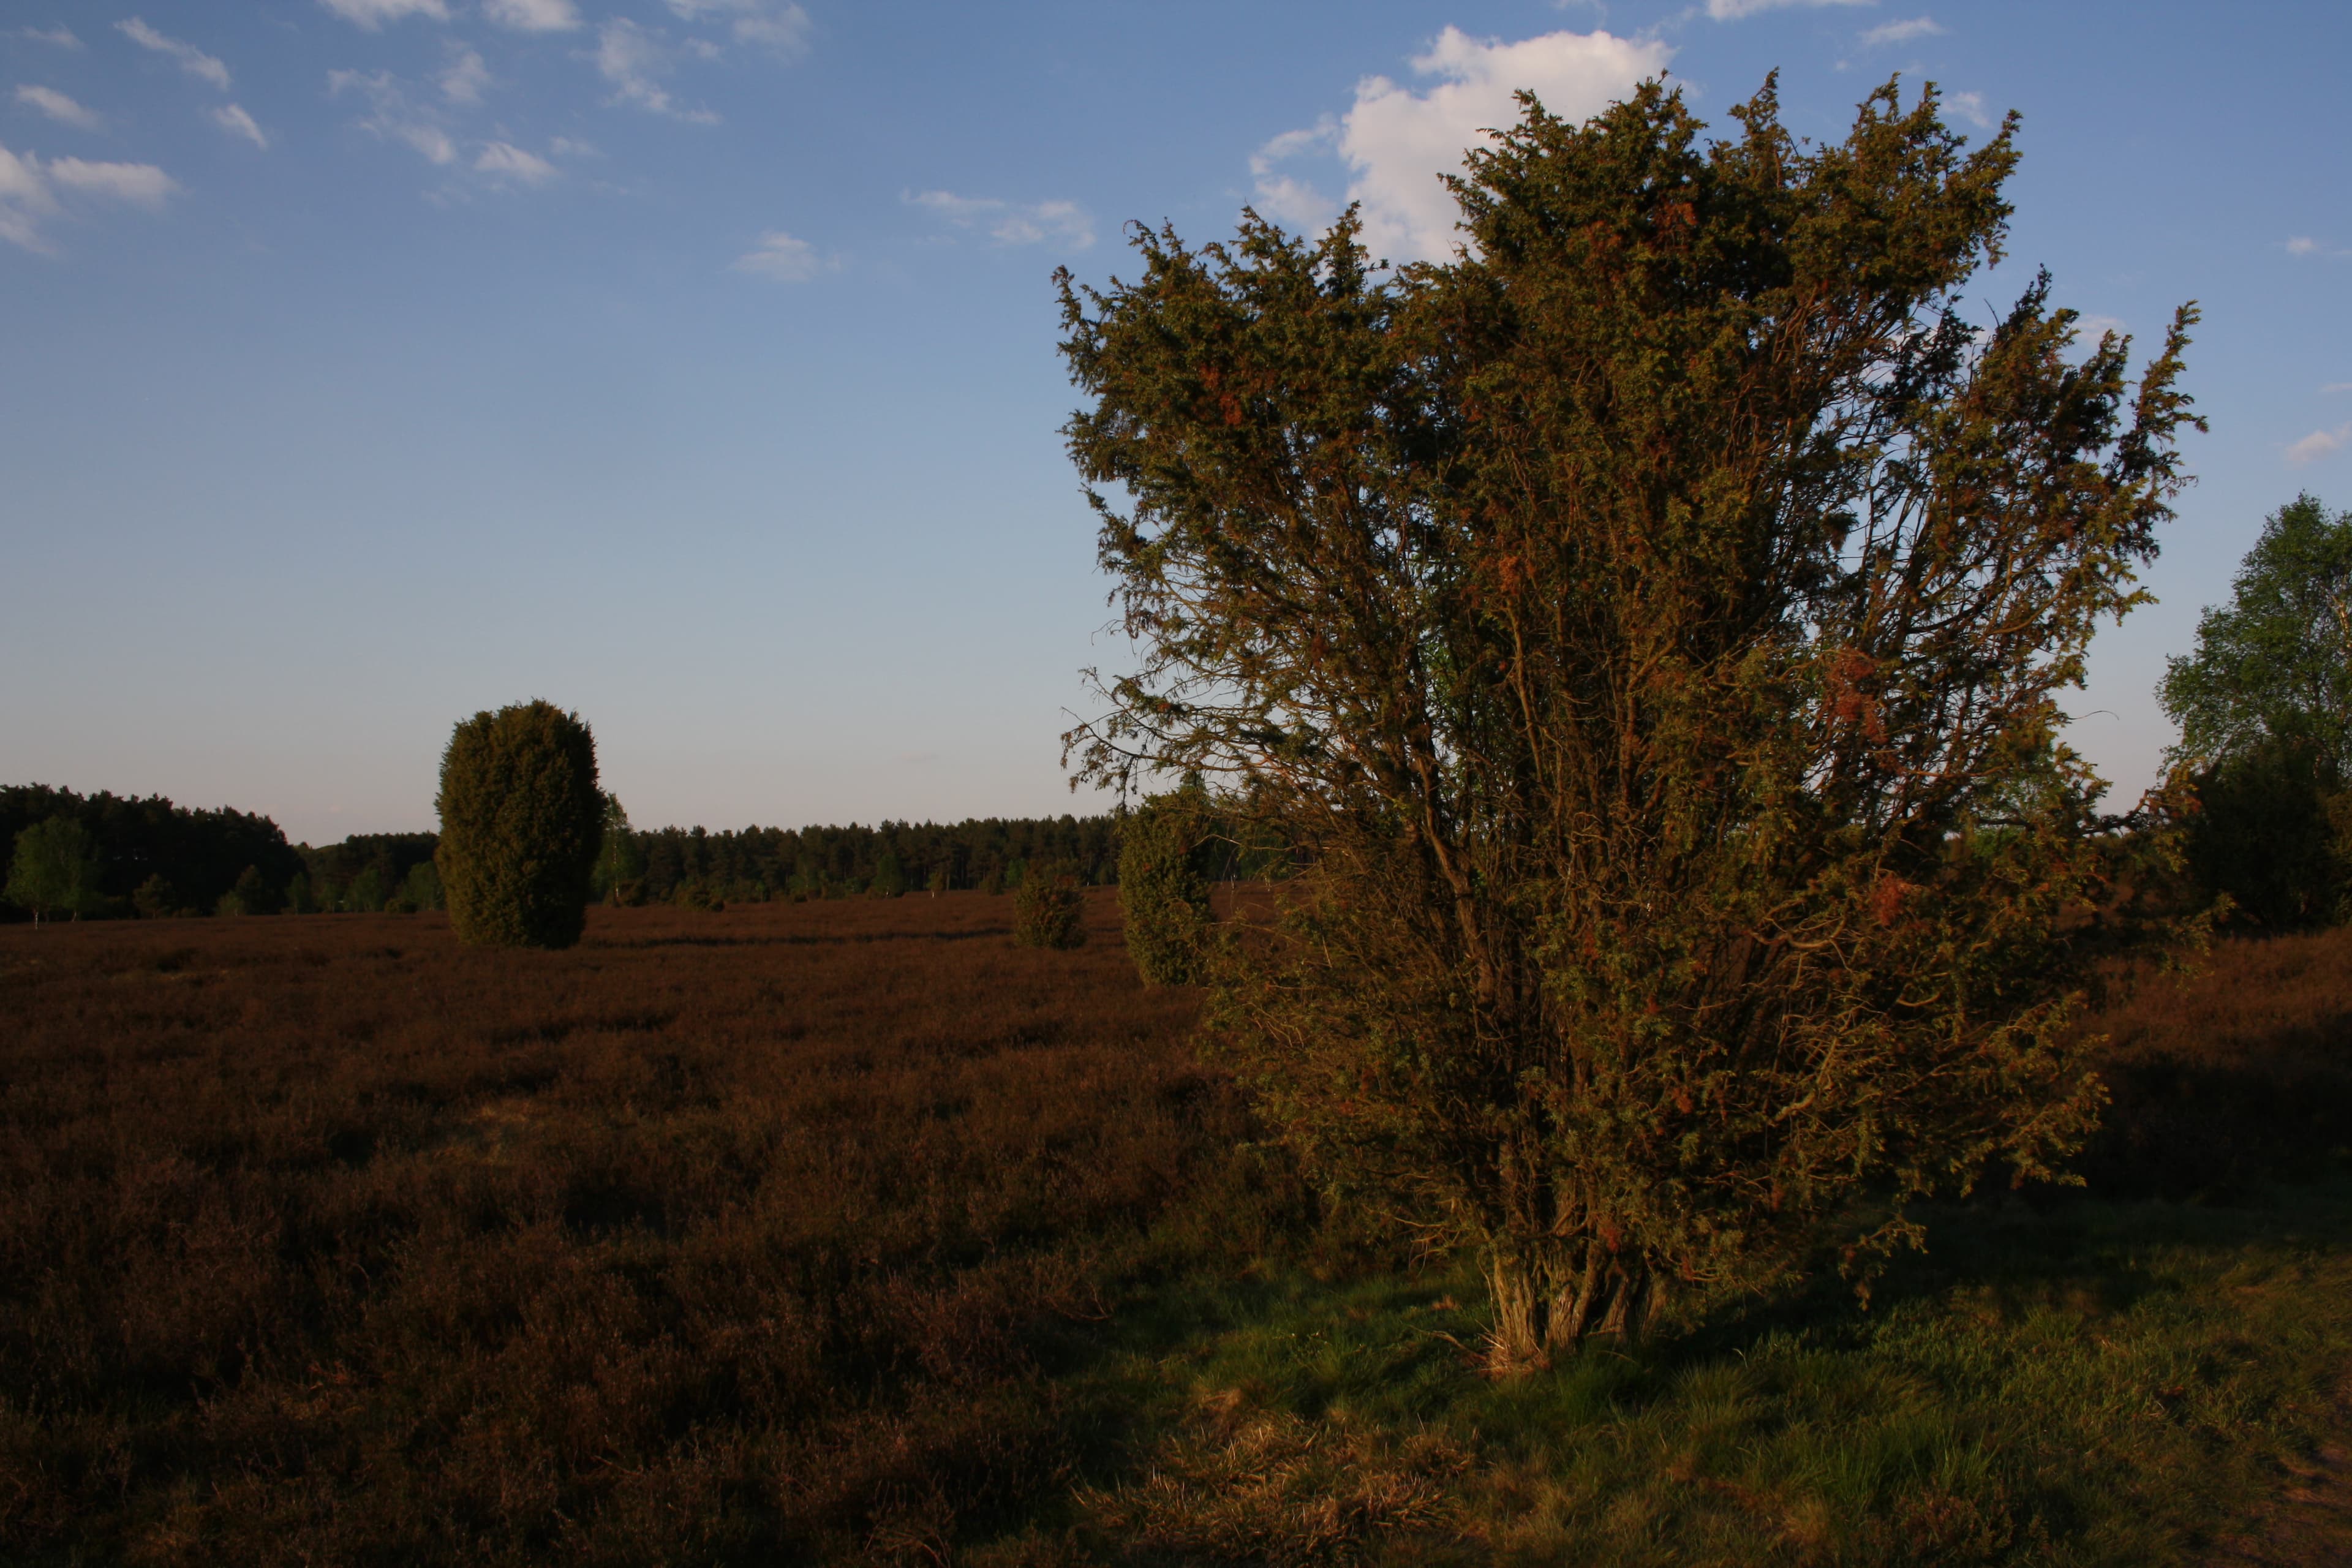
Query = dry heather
x=2240 y=1074
x=324 y=1239
x=851 y=1230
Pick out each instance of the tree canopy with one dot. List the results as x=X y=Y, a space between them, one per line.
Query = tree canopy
x=2274 y=664
x=2264 y=706
x=1650 y=624
x=54 y=869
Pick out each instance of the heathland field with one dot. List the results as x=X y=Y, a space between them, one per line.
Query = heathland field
x=848 y=1230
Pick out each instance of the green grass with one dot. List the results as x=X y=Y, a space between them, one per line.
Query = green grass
x=2084 y=1382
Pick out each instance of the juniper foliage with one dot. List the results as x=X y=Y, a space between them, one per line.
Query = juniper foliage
x=521 y=821
x=1164 y=861
x=1649 y=625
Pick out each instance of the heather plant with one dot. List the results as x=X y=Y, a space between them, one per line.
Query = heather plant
x=521 y=821
x=1650 y=626
x=1049 y=907
x=1164 y=861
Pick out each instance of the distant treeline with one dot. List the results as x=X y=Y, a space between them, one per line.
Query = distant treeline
x=157 y=858
x=758 y=863
x=154 y=856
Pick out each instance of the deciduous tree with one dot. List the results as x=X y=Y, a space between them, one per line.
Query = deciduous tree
x=1649 y=625
x=54 y=868
x=2264 y=707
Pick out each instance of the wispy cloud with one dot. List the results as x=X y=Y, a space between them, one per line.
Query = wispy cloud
x=505 y=161
x=1011 y=223
x=464 y=77
x=1733 y=10
x=533 y=16
x=2337 y=386
x=392 y=117
x=2302 y=245
x=24 y=202
x=778 y=24
x=58 y=107
x=1903 y=32
x=29 y=191
x=373 y=14
x=2319 y=444
x=233 y=119
x=143 y=184
x=60 y=34
x=780 y=259
x=634 y=61
x=192 y=59
x=1396 y=141
x=1971 y=106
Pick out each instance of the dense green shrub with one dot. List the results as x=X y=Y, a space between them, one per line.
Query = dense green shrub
x=521 y=819
x=1163 y=886
x=153 y=899
x=1049 y=908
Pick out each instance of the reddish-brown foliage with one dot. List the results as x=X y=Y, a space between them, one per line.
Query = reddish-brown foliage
x=2237 y=1075
x=733 y=1238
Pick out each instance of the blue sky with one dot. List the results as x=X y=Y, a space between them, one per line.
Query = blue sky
x=691 y=362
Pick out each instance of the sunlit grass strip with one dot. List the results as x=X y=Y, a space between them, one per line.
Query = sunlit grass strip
x=2097 y=1384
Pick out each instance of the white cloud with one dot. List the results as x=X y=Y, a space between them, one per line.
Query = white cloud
x=2302 y=245
x=1971 y=106
x=1396 y=141
x=233 y=119
x=1903 y=32
x=1010 y=223
x=193 y=60
x=24 y=201
x=141 y=183
x=1733 y=10
x=779 y=25
x=58 y=107
x=375 y=14
x=2319 y=444
x=533 y=16
x=779 y=258
x=393 y=118
x=463 y=79
x=634 y=60
x=60 y=34
x=565 y=147
x=2337 y=386
x=504 y=161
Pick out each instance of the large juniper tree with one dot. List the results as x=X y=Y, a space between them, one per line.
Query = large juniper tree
x=521 y=820
x=1650 y=624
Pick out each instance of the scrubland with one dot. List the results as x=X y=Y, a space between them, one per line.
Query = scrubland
x=848 y=1230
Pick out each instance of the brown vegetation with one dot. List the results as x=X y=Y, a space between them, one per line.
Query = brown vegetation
x=801 y=1233
x=327 y=1239
x=2238 y=1075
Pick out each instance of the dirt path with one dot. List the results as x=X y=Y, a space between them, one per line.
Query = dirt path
x=2309 y=1523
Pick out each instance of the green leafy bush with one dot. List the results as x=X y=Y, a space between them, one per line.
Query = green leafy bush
x=1163 y=886
x=1049 y=910
x=521 y=820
